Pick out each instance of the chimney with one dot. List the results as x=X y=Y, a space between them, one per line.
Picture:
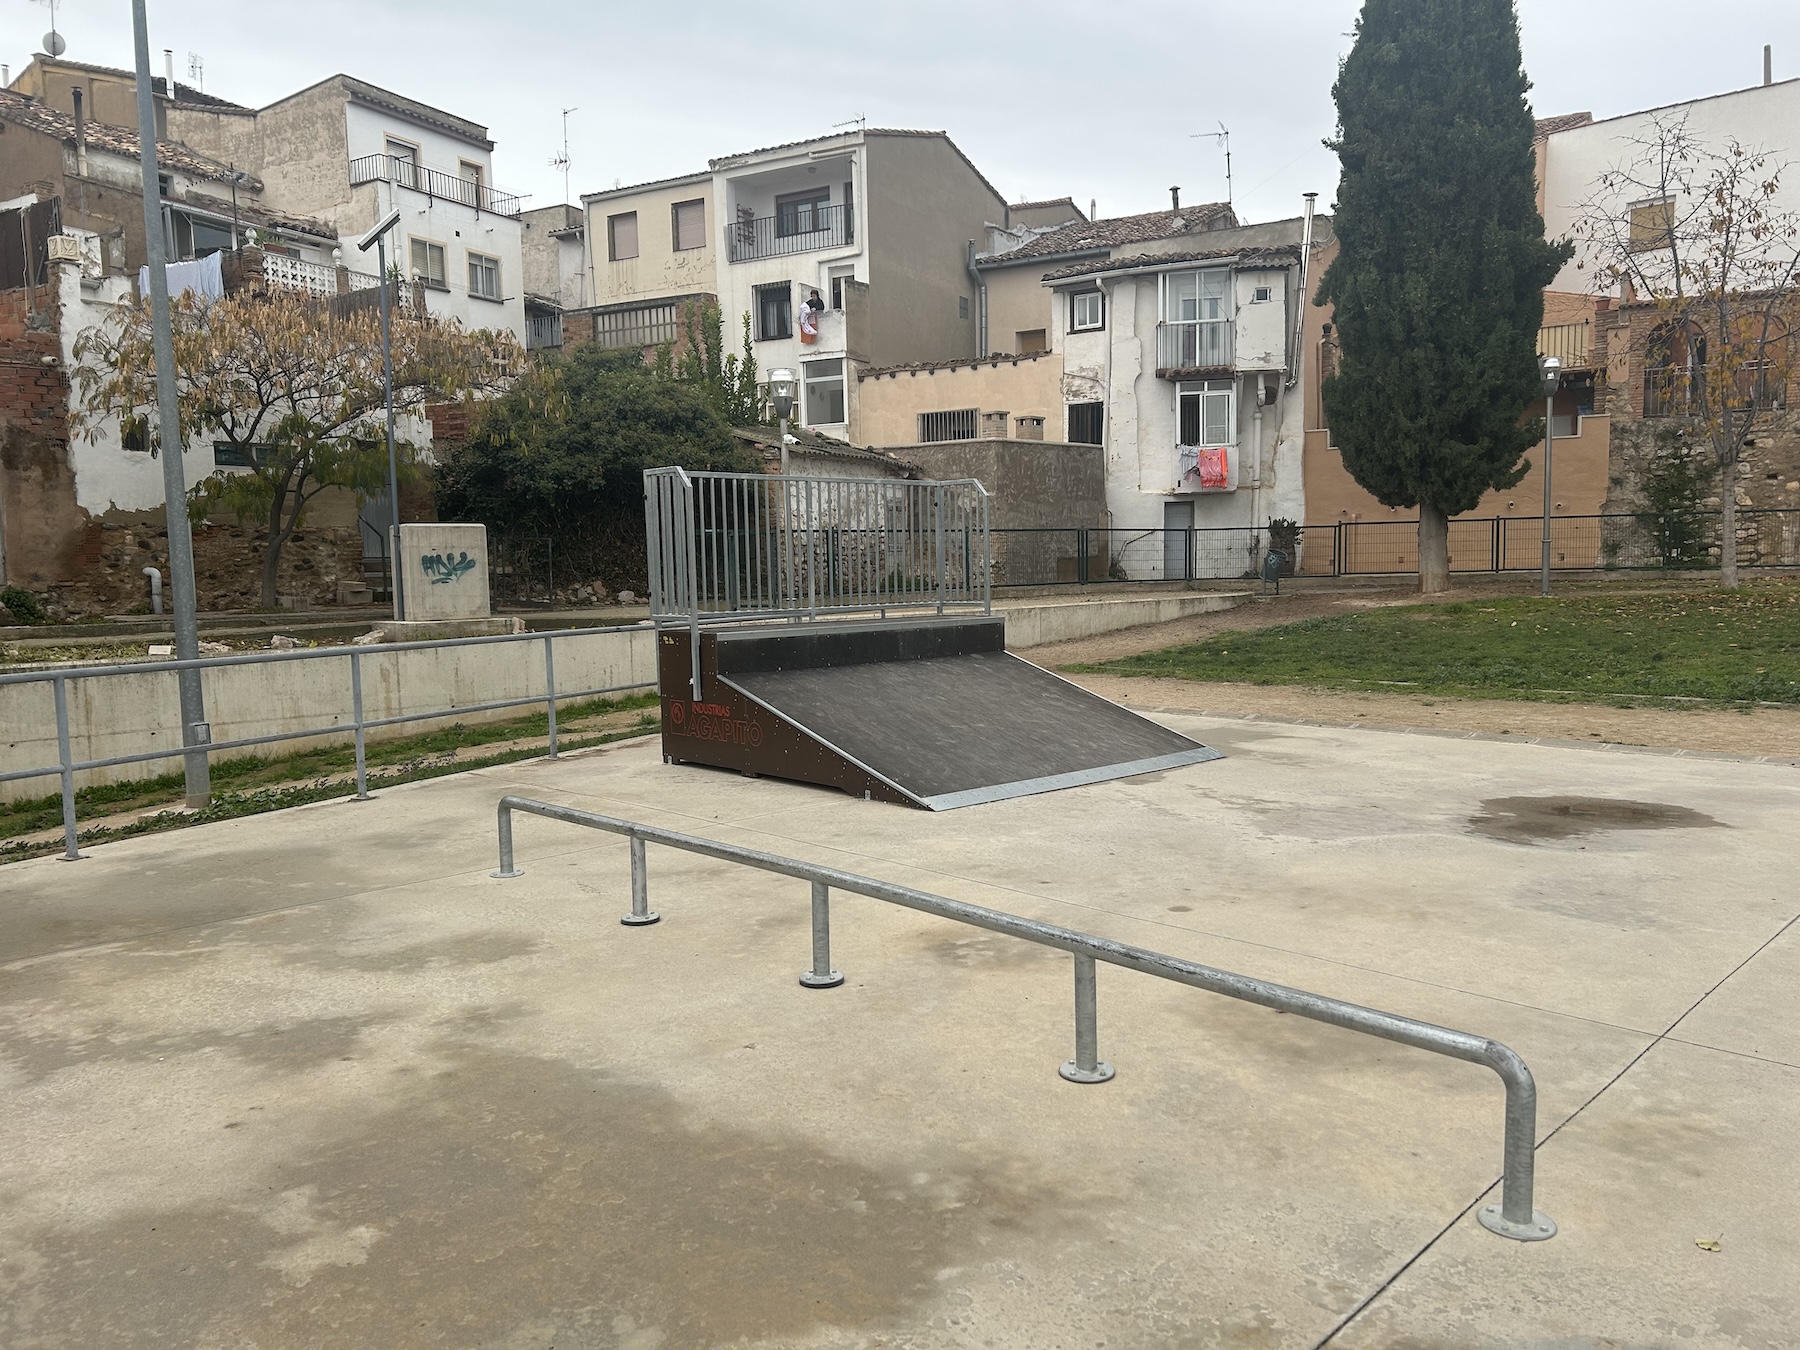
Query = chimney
x=1768 y=64
x=1174 y=199
x=81 y=167
x=169 y=72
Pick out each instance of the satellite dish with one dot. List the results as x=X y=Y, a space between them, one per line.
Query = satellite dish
x=54 y=44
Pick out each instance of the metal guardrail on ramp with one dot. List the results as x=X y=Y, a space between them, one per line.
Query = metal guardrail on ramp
x=1514 y=1217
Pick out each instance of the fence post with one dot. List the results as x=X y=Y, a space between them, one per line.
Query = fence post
x=821 y=976
x=356 y=711
x=1087 y=1066
x=641 y=913
x=937 y=529
x=59 y=690
x=550 y=688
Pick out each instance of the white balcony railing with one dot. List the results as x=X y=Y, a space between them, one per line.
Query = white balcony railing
x=1193 y=345
x=296 y=274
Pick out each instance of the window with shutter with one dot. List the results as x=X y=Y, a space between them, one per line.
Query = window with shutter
x=621 y=236
x=690 y=225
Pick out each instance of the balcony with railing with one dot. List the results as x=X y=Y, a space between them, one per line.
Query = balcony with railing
x=440 y=186
x=1190 y=347
x=807 y=228
x=324 y=281
x=1567 y=342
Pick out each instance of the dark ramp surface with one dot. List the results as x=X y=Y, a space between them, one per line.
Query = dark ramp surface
x=959 y=730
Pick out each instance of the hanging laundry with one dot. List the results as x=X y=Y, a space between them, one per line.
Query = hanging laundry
x=203 y=276
x=1213 y=469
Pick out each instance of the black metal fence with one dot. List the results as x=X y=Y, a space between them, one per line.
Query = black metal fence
x=522 y=569
x=1686 y=540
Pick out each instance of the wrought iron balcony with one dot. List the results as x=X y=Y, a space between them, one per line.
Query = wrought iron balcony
x=441 y=186
x=803 y=230
x=1189 y=347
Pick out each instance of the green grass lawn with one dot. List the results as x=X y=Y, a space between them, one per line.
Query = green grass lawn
x=1738 y=647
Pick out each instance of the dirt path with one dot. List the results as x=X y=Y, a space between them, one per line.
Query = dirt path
x=1760 y=731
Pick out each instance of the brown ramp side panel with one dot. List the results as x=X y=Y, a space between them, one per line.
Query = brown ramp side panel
x=927 y=711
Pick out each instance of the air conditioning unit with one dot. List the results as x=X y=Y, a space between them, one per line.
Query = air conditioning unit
x=64 y=248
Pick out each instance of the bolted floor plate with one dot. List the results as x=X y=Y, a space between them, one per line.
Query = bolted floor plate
x=831 y=981
x=1076 y=1074
x=640 y=920
x=1542 y=1226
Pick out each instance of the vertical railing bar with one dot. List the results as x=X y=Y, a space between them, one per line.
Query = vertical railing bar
x=356 y=712
x=821 y=976
x=550 y=688
x=641 y=914
x=66 y=759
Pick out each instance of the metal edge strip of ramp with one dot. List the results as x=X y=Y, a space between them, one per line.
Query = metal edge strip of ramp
x=949 y=801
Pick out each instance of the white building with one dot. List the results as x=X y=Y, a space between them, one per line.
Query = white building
x=1190 y=361
x=348 y=152
x=1578 y=151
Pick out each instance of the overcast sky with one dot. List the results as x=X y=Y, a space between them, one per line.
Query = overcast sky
x=1050 y=98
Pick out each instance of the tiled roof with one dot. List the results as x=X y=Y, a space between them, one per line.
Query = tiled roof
x=1081 y=236
x=954 y=363
x=361 y=91
x=807 y=441
x=1549 y=126
x=1282 y=256
x=252 y=213
x=1050 y=201
x=184 y=93
x=29 y=113
x=703 y=176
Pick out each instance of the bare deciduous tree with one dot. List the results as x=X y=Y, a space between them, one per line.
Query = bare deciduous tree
x=294 y=389
x=1696 y=231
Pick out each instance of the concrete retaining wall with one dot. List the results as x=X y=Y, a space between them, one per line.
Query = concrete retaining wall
x=1037 y=624
x=131 y=714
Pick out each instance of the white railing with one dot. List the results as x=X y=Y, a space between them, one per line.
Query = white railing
x=1193 y=344
x=296 y=274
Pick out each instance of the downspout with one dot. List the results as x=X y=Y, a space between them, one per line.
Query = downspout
x=1306 y=242
x=981 y=308
x=1256 y=464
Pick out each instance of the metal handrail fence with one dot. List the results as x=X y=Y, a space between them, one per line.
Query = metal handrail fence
x=1514 y=1217
x=731 y=547
x=67 y=766
x=433 y=183
x=802 y=231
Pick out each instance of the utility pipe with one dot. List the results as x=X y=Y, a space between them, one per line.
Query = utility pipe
x=981 y=305
x=155 y=589
x=1299 y=328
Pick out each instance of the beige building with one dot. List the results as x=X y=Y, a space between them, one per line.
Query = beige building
x=648 y=250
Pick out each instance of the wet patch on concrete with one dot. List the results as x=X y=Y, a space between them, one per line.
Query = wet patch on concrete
x=289 y=1047
x=992 y=951
x=523 y=1196
x=1529 y=820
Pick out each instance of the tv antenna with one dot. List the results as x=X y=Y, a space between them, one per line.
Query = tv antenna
x=197 y=71
x=53 y=40
x=1220 y=137
x=562 y=161
x=860 y=122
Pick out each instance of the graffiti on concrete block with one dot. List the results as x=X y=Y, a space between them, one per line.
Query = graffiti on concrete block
x=443 y=569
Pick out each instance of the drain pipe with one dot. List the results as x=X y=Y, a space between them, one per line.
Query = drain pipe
x=155 y=589
x=1256 y=465
x=1306 y=242
x=981 y=308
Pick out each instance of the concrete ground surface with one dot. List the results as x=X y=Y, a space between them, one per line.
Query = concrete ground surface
x=315 y=1078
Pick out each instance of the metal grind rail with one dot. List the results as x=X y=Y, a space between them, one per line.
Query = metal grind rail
x=1514 y=1217
x=67 y=766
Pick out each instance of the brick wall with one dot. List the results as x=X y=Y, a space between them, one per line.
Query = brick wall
x=43 y=530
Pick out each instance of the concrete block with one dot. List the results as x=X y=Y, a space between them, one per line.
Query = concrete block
x=444 y=571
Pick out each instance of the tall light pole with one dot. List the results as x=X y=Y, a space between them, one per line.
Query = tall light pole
x=377 y=239
x=1550 y=373
x=781 y=394
x=195 y=734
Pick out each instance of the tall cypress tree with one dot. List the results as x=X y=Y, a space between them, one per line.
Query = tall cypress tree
x=1438 y=282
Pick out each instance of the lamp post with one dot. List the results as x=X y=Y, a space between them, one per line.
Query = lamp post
x=781 y=394
x=195 y=732
x=377 y=239
x=1550 y=374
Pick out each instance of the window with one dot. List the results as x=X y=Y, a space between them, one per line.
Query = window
x=1087 y=423
x=1195 y=297
x=962 y=306
x=959 y=424
x=208 y=238
x=471 y=174
x=134 y=432
x=1651 y=223
x=484 y=276
x=428 y=265
x=689 y=224
x=840 y=275
x=165 y=185
x=1205 y=412
x=824 y=382
x=1262 y=295
x=229 y=456
x=1087 y=310
x=774 y=311
x=403 y=163
x=802 y=212
x=621 y=236
x=1031 y=340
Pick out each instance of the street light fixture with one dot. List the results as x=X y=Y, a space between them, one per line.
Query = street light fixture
x=781 y=394
x=377 y=239
x=1550 y=376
